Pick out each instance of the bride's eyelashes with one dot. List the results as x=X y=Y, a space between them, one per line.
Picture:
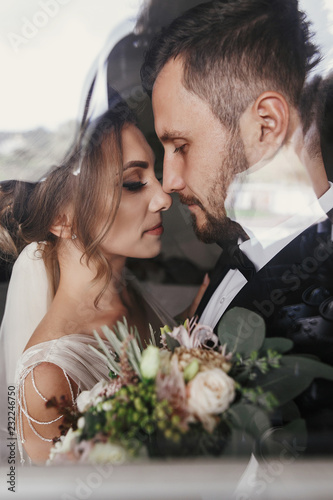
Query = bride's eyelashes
x=134 y=186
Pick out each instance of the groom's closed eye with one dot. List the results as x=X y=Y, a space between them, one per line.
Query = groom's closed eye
x=180 y=149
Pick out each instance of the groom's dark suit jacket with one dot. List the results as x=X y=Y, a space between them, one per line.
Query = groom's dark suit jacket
x=294 y=295
x=294 y=285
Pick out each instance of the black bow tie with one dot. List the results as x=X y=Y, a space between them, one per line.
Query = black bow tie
x=236 y=259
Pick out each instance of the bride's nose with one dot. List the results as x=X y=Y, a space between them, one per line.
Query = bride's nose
x=160 y=200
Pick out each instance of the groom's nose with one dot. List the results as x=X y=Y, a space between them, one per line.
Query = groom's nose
x=172 y=177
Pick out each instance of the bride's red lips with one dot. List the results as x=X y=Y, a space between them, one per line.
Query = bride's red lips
x=156 y=230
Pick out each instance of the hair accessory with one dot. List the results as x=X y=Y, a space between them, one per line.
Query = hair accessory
x=74 y=236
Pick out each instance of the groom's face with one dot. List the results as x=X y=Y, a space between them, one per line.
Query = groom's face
x=201 y=157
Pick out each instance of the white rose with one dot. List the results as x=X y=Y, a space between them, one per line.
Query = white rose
x=103 y=453
x=210 y=393
x=90 y=398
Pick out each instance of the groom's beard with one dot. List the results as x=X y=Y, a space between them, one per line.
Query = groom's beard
x=217 y=226
x=214 y=227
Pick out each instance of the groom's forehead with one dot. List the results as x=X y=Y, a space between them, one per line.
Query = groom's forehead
x=168 y=100
x=173 y=104
x=169 y=78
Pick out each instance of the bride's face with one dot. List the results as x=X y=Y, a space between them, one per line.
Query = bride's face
x=137 y=228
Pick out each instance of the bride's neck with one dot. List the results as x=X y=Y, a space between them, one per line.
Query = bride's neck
x=78 y=284
x=74 y=310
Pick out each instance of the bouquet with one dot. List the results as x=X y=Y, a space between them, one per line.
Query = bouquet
x=197 y=393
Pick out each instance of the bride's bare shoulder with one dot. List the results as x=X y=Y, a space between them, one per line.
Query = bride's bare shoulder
x=40 y=424
x=51 y=327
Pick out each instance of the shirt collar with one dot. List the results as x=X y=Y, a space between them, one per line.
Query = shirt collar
x=261 y=249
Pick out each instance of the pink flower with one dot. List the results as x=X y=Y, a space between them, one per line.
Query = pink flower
x=192 y=335
x=171 y=386
x=113 y=386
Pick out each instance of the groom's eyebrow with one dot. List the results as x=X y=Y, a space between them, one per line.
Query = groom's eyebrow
x=136 y=163
x=170 y=135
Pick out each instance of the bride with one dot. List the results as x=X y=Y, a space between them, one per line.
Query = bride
x=88 y=216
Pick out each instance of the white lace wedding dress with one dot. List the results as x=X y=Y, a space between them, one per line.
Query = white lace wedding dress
x=27 y=302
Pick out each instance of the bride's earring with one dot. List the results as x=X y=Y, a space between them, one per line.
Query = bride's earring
x=74 y=236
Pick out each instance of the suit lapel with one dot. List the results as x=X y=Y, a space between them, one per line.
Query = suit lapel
x=306 y=260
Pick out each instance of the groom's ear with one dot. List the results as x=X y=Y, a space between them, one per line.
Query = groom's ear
x=62 y=227
x=264 y=126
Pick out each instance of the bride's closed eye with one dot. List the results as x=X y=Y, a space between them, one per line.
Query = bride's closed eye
x=134 y=186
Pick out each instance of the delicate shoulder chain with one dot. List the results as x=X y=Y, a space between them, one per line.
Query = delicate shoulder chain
x=23 y=408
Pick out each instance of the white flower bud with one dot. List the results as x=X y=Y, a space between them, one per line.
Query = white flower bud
x=150 y=362
x=80 y=423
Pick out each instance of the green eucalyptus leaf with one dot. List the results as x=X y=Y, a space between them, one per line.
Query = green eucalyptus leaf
x=171 y=342
x=242 y=330
x=293 y=376
x=311 y=356
x=289 y=412
x=277 y=344
x=249 y=418
x=288 y=441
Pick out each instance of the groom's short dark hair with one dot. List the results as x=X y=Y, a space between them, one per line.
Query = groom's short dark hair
x=233 y=50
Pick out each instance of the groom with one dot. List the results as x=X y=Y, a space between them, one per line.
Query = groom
x=226 y=80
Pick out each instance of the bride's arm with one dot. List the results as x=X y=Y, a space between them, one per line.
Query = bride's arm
x=39 y=425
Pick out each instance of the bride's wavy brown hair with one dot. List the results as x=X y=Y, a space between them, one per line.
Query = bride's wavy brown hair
x=89 y=182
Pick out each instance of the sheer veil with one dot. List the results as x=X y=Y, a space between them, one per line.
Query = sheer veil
x=28 y=298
